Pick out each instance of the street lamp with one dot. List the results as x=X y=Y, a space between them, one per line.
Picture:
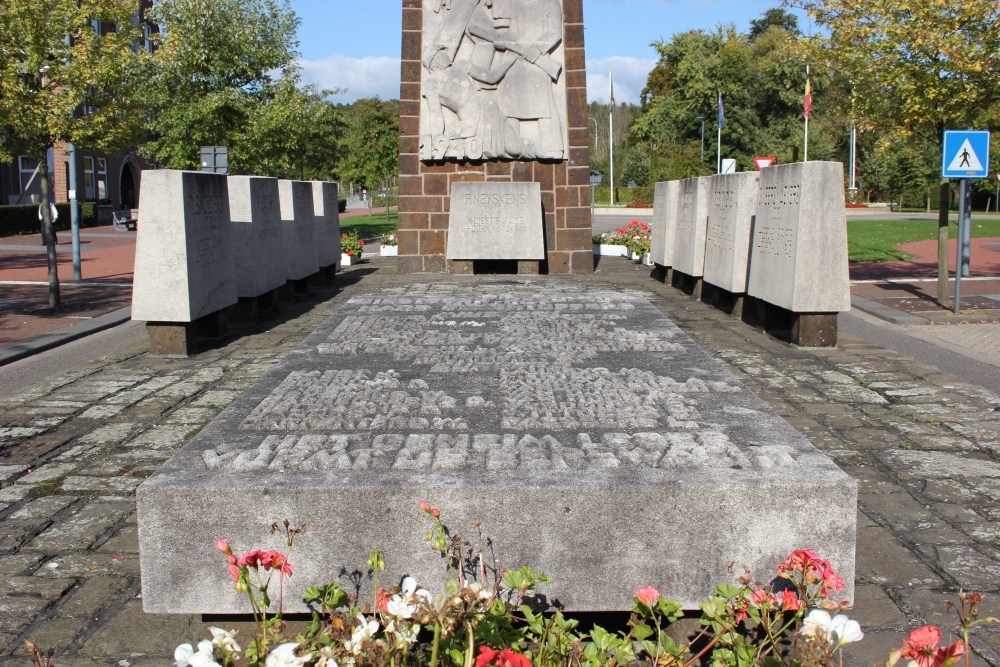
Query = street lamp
x=702 y=119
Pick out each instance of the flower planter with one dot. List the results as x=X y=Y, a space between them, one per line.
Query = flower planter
x=647 y=259
x=607 y=250
x=388 y=250
x=635 y=256
x=345 y=259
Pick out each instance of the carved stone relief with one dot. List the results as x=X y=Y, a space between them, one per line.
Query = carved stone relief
x=492 y=80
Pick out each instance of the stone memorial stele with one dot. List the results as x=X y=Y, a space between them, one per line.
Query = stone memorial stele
x=798 y=260
x=592 y=438
x=493 y=92
x=184 y=255
x=257 y=235
x=496 y=221
x=661 y=249
x=298 y=220
x=731 y=208
x=692 y=225
x=327 y=212
x=492 y=80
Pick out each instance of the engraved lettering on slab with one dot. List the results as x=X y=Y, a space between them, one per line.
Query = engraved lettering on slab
x=492 y=80
x=494 y=451
x=346 y=399
x=496 y=221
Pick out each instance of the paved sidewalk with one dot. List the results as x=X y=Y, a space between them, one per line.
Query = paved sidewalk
x=923 y=446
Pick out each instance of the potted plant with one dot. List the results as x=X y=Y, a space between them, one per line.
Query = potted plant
x=389 y=246
x=610 y=244
x=351 y=248
x=638 y=241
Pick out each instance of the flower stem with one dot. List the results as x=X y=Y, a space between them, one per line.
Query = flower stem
x=434 y=646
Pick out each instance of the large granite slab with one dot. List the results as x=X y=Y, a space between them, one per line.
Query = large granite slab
x=661 y=249
x=798 y=258
x=731 y=210
x=257 y=235
x=184 y=255
x=298 y=223
x=593 y=439
x=325 y=208
x=496 y=221
x=692 y=225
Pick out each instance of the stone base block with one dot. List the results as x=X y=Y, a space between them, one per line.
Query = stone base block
x=690 y=285
x=726 y=301
x=592 y=439
x=528 y=268
x=660 y=273
x=185 y=338
x=815 y=329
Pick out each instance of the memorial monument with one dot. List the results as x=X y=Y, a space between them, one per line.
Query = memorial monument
x=494 y=92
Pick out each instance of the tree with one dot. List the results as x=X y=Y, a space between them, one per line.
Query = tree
x=915 y=65
x=372 y=142
x=774 y=18
x=213 y=74
x=62 y=81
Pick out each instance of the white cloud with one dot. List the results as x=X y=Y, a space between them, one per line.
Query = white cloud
x=362 y=77
x=629 y=75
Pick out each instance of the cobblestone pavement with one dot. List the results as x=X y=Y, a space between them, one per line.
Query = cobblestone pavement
x=923 y=446
x=983 y=339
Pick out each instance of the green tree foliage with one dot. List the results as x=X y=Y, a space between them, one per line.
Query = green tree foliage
x=211 y=83
x=762 y=82
x=777 y=18
x=53 y=65
x=371 y=150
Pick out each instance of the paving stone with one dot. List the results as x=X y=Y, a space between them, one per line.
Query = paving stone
x=124 y=541
x=973 y=570
x=83 y=528
x=93 y=595
x=92 y=564
x=899 y=510
x=47 y=473
x=21 y=563
x=13 y=606
x=118 y=485
x=191 y=415
x=13 y=494
x=60 y=636
x=884 y=560
x=43 y=508
x=102 y=412
x=111 y=434
x=162 y=437
x=47 y=589
x=134 y=632
x=216 y=399
x=874 y=609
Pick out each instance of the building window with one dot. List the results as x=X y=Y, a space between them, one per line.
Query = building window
x=29 y=180
x=89 y=184
x=147 y=37
x=102 y=179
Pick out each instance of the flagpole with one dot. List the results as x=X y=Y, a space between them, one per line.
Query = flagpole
x=611 y=139
x=805 y=147
x=718 y=143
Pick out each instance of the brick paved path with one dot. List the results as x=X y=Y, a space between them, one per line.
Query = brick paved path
x=922 y=444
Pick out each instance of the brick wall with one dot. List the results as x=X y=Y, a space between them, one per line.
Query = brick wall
x=424 y=186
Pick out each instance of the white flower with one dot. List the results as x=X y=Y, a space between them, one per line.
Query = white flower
x=326 y=657
x=365 y=630
x=838 y=630
x=186 y=656
x=405 y=603
x=284 y=656
x=845 y=630
x=224 y=639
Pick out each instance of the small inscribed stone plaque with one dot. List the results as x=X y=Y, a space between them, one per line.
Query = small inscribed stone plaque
x=496 y=221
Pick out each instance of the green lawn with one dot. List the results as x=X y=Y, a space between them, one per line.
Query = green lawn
x=876 y=240
x=370 y=226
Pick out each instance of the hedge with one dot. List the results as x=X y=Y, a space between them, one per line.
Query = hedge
x=638 y=196
x=23 y=219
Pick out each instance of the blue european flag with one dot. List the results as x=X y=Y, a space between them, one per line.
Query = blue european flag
x=722 y=114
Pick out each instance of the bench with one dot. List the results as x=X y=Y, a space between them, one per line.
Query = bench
x=125 y=220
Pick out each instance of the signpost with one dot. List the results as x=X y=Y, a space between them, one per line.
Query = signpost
x=966 y=155
x=764 y=161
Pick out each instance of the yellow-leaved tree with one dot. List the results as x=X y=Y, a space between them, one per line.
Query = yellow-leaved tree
x=68 y=73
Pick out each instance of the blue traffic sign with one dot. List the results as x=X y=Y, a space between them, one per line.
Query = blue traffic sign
x=966 y=154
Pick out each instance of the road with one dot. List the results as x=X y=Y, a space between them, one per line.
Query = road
x=21 y=374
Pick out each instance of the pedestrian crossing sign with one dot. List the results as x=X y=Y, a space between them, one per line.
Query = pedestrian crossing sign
x=966 y=154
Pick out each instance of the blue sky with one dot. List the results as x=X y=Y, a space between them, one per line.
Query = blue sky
x=355 y=45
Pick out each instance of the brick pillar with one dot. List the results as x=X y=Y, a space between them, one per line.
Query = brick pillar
x=424 y=186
